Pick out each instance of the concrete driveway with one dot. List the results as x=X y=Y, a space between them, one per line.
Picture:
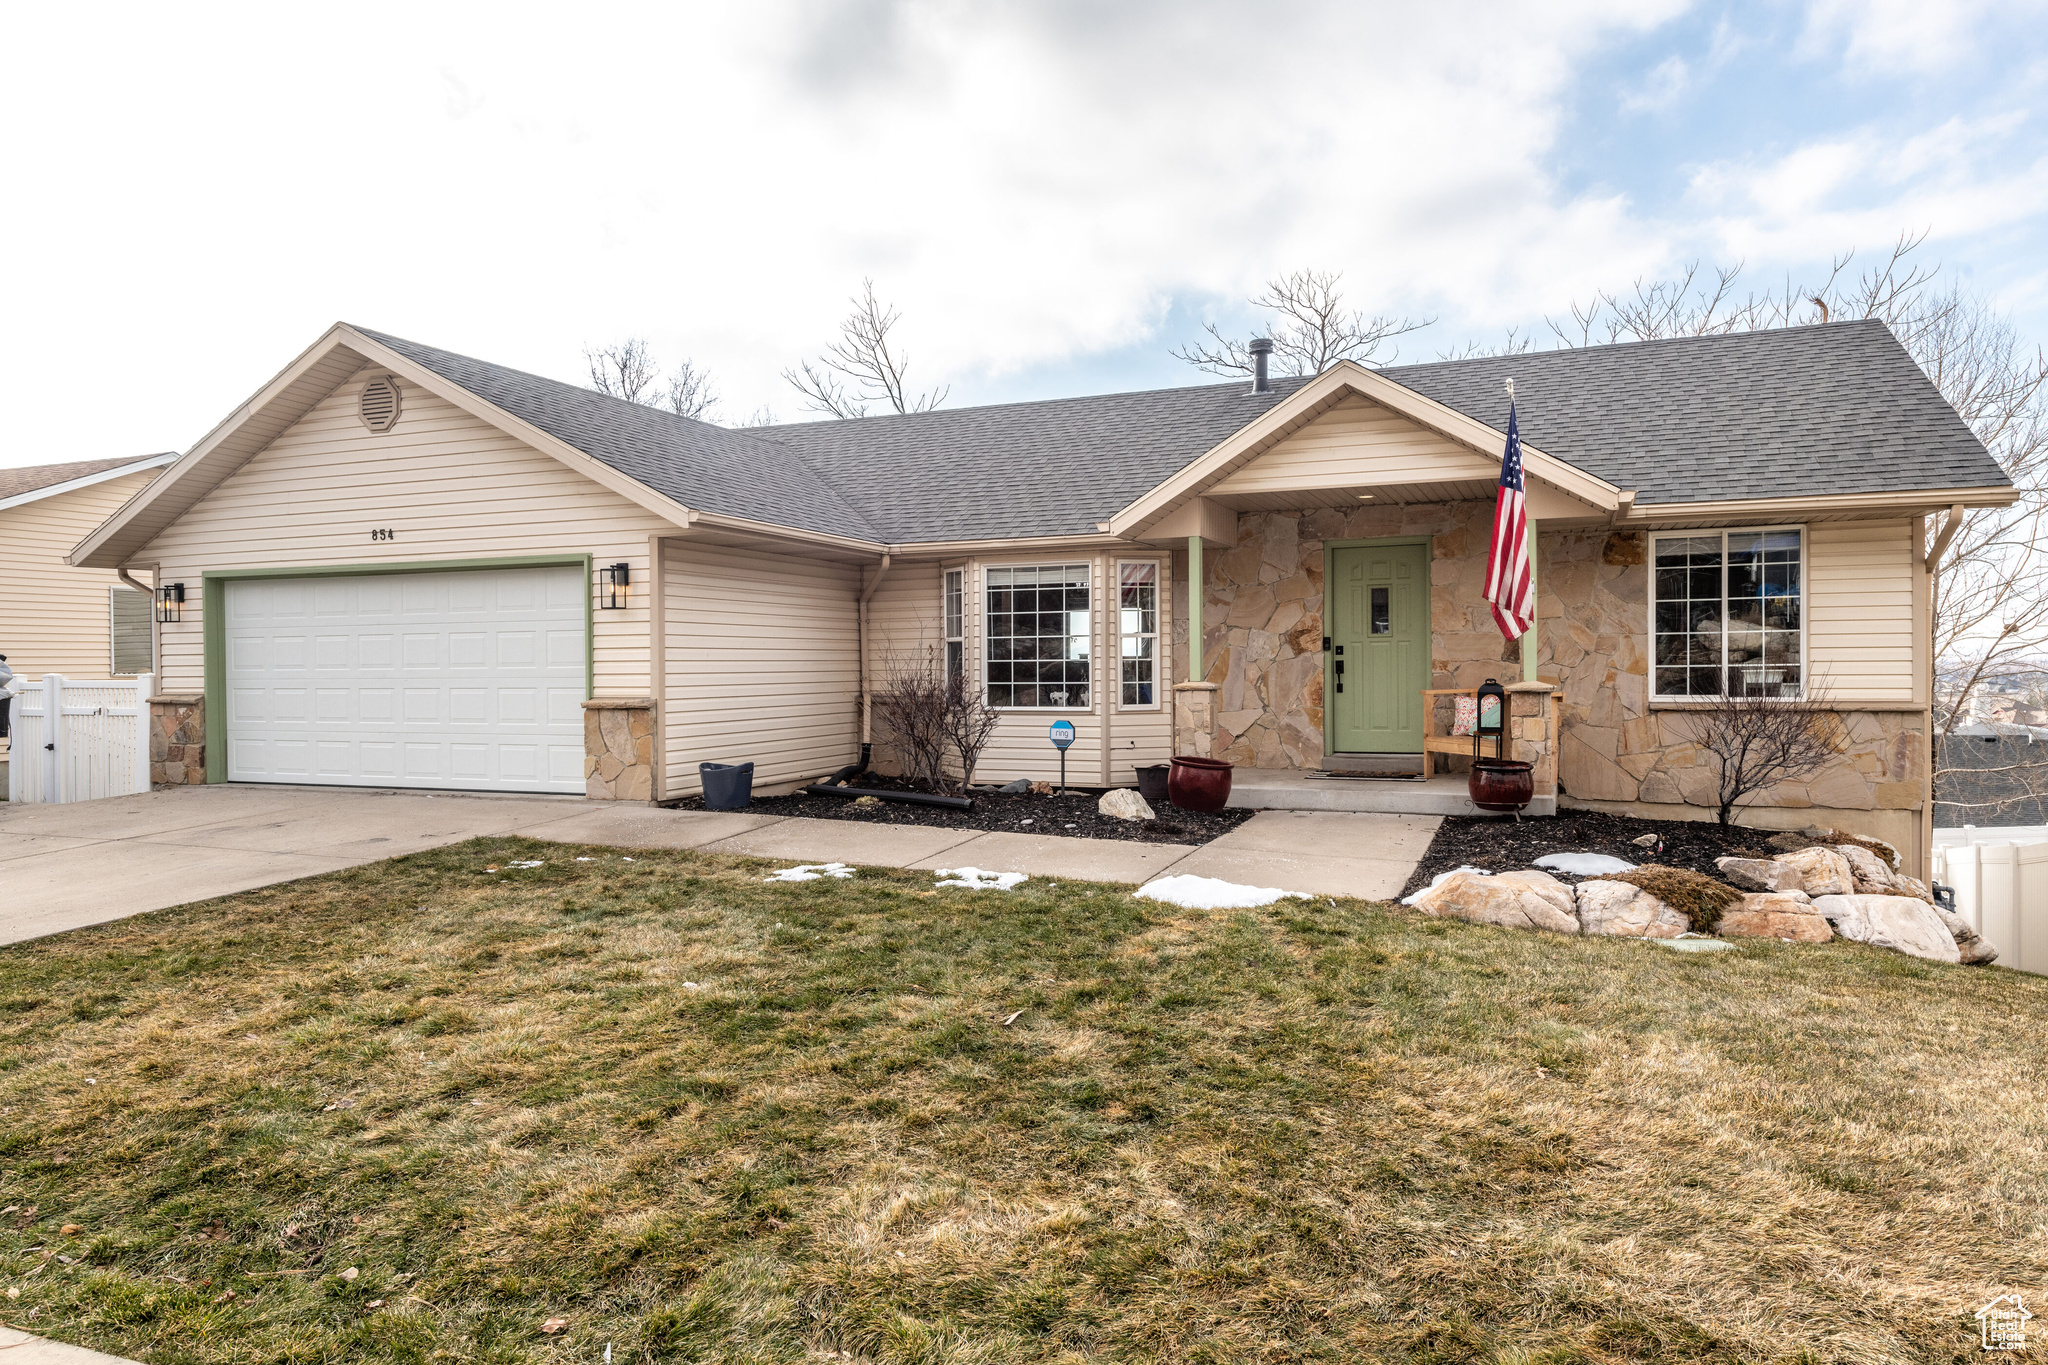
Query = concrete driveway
x=65 y=867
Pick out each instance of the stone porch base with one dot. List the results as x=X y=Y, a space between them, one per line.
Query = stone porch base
x=1286 y=789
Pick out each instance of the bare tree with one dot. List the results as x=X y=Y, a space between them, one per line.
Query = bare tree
x=1310 y=328
x=860 y=368
x=624 y=369
x=627 y=369
x=1757 y=741
x=970 y=723
x=689 y=392
x=912 y=710
x=1990 y=608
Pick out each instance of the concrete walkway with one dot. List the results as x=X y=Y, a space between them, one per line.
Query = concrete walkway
x=65 y=867
x=19 y=1348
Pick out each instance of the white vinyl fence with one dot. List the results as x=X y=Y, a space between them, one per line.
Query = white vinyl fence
x=79 y=740
x=2001 y=881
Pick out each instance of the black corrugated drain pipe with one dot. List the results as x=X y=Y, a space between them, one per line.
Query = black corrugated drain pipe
x=835 y=786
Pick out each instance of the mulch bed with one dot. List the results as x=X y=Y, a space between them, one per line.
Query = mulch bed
x=1073 y=815
x=1502 y=844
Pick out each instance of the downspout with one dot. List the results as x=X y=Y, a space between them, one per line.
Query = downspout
x=867 y=698
x=1935 y=551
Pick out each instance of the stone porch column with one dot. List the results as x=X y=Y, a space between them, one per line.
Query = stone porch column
x=1194 y=719
x=1532 y=719
x=618 y=749
x=177 y=739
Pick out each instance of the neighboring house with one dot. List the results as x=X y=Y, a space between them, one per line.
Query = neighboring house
x=83 y=623
x=1992 y=773
x=398 y=567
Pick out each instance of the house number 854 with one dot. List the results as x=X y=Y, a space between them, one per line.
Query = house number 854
x=383 y=533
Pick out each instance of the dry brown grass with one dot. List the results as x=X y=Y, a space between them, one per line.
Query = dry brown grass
x=1321 y=1132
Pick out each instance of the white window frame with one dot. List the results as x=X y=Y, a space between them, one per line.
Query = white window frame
x=1805 y=608
x=1093 y=565
x=952 y=580
x=114 y=668
x=1117 y=634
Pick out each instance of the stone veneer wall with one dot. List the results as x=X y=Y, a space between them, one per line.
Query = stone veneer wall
x=1262 y=644
x=618 y=749
x=177 y=740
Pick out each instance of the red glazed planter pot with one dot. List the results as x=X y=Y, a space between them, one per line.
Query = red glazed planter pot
x=1501 y=784
x=1198 y=783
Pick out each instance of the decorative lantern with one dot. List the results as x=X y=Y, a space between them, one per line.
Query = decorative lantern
x=613 y=578
x=1492 y=719
x=170 y=602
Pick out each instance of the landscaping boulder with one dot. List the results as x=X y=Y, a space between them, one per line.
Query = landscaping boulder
x=1618 y=908
x=1513 y=900
x=1973 y=948
x=1902 y=885
x=1124 y=803
x=1900 y=923
x=1822 y=871
x=1873 y=877
x=1775 y=915
x=1761 y=874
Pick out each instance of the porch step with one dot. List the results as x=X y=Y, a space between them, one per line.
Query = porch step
x=1445 y=794
x=1376 y=765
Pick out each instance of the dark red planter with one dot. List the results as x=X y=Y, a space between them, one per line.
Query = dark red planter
x=1502 y=784
x=1198 y=783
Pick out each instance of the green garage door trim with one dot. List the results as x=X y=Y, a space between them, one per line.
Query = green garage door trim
x=1330 y=549
x=213 y=625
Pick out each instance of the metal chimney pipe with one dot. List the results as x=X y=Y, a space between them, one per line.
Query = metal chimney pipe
x=1260 y=348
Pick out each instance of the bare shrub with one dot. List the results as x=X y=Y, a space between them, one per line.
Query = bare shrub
x=1758 y=741
x=970 y=724
x=911 y=709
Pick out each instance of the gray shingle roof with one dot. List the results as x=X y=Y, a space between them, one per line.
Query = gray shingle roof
x=28 y=478
x=1839 y=408
x=1834 y=408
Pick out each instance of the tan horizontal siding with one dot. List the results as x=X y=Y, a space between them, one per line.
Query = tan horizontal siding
x=53 y=617
x=1859 y=626
x=1358 y=442
x=762 y=664
x=451 y=485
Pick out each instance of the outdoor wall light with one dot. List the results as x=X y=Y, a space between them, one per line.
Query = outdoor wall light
x=170 y=602
x=613 y=579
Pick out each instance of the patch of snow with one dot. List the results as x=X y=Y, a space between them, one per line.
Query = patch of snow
x=1693 y=943
x=1583 y=864
x=1439 y=879
x=1211 y=893
x=974 y=879
x=811 y=872
x=539 y=862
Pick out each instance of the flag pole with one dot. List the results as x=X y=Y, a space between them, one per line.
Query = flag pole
x=1535 y=546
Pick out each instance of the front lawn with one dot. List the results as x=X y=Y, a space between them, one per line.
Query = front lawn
x=422 y=1110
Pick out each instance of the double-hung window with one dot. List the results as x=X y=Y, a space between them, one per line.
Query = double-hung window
x=1038 y=636
x=130 y=627
x=1727 y=612
x=956 y=623
x=1138 y=634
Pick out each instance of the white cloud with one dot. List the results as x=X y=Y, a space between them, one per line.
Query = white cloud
x=1892 y=37
x=1028 y=182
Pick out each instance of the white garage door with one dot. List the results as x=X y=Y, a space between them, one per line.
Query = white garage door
x=467 y=680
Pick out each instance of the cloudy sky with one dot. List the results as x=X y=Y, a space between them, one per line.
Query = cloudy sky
x=1054 y=194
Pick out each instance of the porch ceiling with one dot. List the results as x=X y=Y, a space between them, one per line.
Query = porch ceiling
x=1546 y=503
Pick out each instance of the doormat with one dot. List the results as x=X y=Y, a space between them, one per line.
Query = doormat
x=1368 y=777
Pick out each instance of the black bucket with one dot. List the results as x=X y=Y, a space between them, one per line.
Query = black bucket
x=1152 y=783
x=727 y=786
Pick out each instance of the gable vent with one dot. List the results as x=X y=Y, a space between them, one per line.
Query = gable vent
x=378 y=407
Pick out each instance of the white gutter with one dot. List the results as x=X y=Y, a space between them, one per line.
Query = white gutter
x=867 y=698
x=88 y=480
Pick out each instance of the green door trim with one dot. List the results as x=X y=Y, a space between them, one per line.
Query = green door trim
x=1330 y=548
x=213 y=624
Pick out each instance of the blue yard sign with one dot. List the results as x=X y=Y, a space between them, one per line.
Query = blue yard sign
x=1062 y=735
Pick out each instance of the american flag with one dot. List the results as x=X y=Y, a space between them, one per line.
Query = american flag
x=1508 y=585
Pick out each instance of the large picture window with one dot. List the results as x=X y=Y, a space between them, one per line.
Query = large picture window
x=1038 y=636
x=1728 y=614
x=1138 y=634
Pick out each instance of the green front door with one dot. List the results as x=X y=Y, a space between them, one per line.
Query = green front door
x=1379 y=648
